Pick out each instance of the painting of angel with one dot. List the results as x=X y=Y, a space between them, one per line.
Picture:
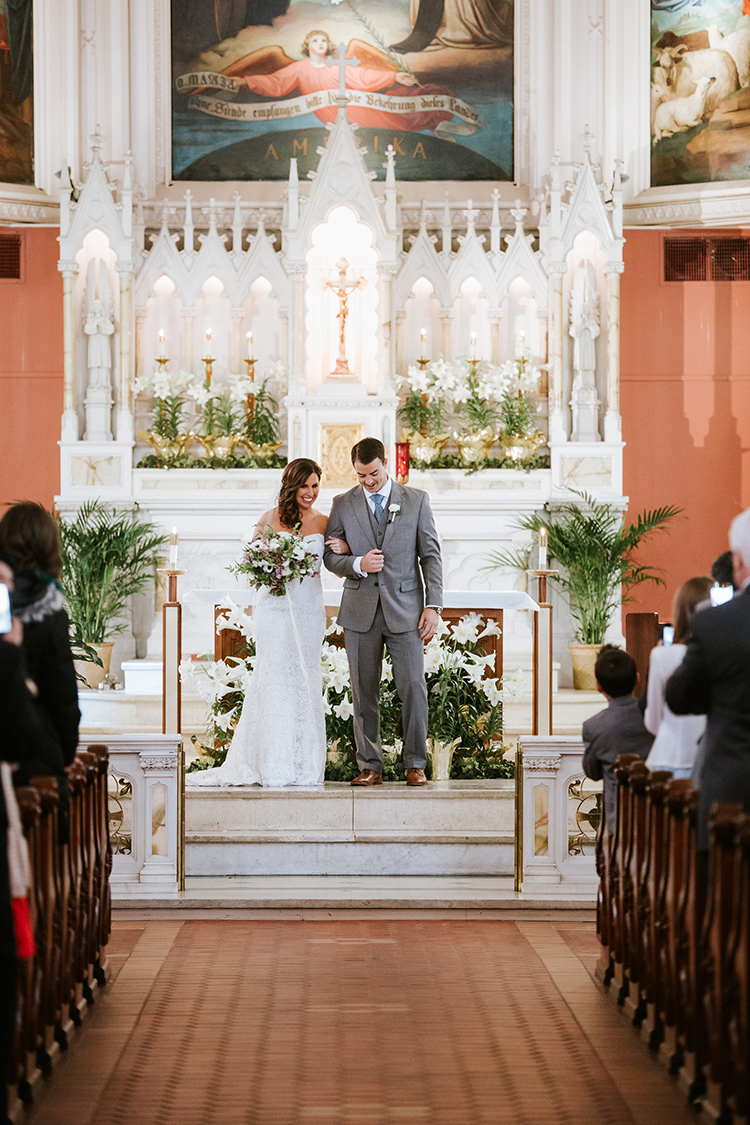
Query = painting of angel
x=434 y=78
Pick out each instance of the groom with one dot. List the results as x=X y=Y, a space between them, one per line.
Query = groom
x=394 y=546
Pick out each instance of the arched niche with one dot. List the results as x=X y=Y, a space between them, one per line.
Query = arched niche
x=213 y=330
x=422 y=314
x=471 y=317
x=262 y=319
x=341 y=236
x=163 y=314
x=586 y=249
x=520 y=323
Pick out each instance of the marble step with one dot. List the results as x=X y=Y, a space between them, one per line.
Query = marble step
x=449 y=828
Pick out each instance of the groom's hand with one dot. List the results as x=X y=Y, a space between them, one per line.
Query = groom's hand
x=372 y=562
x=428 y=624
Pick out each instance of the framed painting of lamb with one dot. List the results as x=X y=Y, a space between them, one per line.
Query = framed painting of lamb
x=700 y=91
x=254 y=83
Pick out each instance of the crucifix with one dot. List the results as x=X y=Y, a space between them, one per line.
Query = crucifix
x=342 y=62
x=342 y=288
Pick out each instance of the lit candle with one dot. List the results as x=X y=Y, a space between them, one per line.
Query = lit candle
x=542 y=548
x=173 y=541
x=208 y=343
x=249 y=345
x=521 y=343
x=473 y=345
x=162 y=342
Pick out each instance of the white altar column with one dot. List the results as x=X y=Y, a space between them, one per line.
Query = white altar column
x=400 y=363
x=386 y=273
x=237 y=315
x=297 y=367
x=188 y=324
x=446 y=321
x=612 y=420
x=125 y=399
x=556 y=388
x=69 y=271
x=495 y=316
x=140 y=341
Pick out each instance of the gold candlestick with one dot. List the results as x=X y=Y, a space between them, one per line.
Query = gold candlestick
x=209 y=362
x=250 y=363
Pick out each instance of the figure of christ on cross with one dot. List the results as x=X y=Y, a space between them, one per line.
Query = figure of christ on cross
x=342 y=288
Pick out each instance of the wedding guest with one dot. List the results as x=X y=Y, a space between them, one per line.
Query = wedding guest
x=713 y=679
x=618 y=729
x=29 y=543
x=677 y=736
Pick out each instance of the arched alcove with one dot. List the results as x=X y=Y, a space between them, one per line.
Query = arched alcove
x=213 y=335
x=471 y=319
x=341 y=236
x=422 y=315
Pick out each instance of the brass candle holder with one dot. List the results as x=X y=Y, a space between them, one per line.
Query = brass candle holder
x=250 y=364
x=209 y=362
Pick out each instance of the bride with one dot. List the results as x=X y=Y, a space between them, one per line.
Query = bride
x=281 y=736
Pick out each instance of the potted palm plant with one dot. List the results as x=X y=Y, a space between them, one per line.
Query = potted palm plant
x=595 y=548
x=106 y=557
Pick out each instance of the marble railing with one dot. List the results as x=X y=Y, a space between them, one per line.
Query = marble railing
x=146 y=813
x=558 y=811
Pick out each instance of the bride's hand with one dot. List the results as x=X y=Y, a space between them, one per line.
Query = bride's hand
x=338 y=546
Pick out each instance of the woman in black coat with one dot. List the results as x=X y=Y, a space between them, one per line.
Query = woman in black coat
x=29 y=544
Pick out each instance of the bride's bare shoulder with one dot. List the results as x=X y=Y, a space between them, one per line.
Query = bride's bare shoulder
x=266 y=521
x=319 y=524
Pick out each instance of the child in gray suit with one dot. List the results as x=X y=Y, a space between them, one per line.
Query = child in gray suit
x=618 y=729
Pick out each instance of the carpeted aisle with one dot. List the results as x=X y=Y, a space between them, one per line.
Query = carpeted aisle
x=280 y=1023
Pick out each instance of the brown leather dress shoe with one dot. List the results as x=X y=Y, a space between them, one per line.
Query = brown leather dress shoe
x=416 y=777
x=368 y=777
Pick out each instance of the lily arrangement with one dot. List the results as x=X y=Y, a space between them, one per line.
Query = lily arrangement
x=465 y=701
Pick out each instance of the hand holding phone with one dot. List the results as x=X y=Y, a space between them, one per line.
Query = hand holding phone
x=6 y=622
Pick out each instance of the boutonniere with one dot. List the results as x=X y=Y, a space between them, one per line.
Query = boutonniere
x=394 y=509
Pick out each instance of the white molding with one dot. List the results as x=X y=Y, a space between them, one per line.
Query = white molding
x=712 y=205
x=27 y=206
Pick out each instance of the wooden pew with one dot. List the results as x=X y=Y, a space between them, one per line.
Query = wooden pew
x=673 y=881
x=690 y=1032
x=717 y=926
x=738 y=975
x=618 y=851
x=634 y=854
x=651 y=876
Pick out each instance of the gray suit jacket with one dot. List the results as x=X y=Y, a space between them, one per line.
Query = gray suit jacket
x=411 y=552
x=618 y=729
x=714 y=680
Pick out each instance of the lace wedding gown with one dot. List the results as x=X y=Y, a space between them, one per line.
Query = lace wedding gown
x=281 y=737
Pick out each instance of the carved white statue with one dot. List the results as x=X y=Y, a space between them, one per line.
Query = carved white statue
x=99 y=328
x=584 y=328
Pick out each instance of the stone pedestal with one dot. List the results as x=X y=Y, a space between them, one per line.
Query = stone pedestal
x=98 y=414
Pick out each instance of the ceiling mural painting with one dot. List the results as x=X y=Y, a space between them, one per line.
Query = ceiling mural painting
x=255 y=83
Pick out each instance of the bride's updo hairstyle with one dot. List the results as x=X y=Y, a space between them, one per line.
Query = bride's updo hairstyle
x=295 y=476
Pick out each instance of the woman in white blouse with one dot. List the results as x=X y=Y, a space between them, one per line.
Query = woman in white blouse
x=677 y=736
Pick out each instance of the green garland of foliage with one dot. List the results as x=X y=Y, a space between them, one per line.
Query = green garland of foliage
x=454 y=461
x=188 y=461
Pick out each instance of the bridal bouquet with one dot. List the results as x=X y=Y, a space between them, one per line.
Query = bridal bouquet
x=273 y=560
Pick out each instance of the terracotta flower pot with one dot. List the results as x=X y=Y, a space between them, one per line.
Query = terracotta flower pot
x=583 y=659
x=92 y=672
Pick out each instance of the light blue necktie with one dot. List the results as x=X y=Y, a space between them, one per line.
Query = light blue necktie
x=378 y=501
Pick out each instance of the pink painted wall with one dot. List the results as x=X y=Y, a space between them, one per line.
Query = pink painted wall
x=31 y=372
x=685 y=387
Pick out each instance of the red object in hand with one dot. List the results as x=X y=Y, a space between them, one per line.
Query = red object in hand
x=22 y=928
x=402 y=462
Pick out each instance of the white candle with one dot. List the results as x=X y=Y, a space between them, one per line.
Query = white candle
x=542 y=548
x=174 y=539
x=208 y=343
x=249 y=345
x=162 y=342
x=473 y=345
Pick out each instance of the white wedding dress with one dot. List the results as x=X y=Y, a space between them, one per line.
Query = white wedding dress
x=280 y=739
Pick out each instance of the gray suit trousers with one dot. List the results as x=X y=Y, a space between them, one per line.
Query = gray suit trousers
x=365 y=653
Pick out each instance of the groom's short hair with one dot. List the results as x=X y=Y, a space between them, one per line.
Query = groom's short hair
x=368 y=450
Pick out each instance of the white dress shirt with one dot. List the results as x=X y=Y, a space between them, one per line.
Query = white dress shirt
x=385 y=492
x=677 y=736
